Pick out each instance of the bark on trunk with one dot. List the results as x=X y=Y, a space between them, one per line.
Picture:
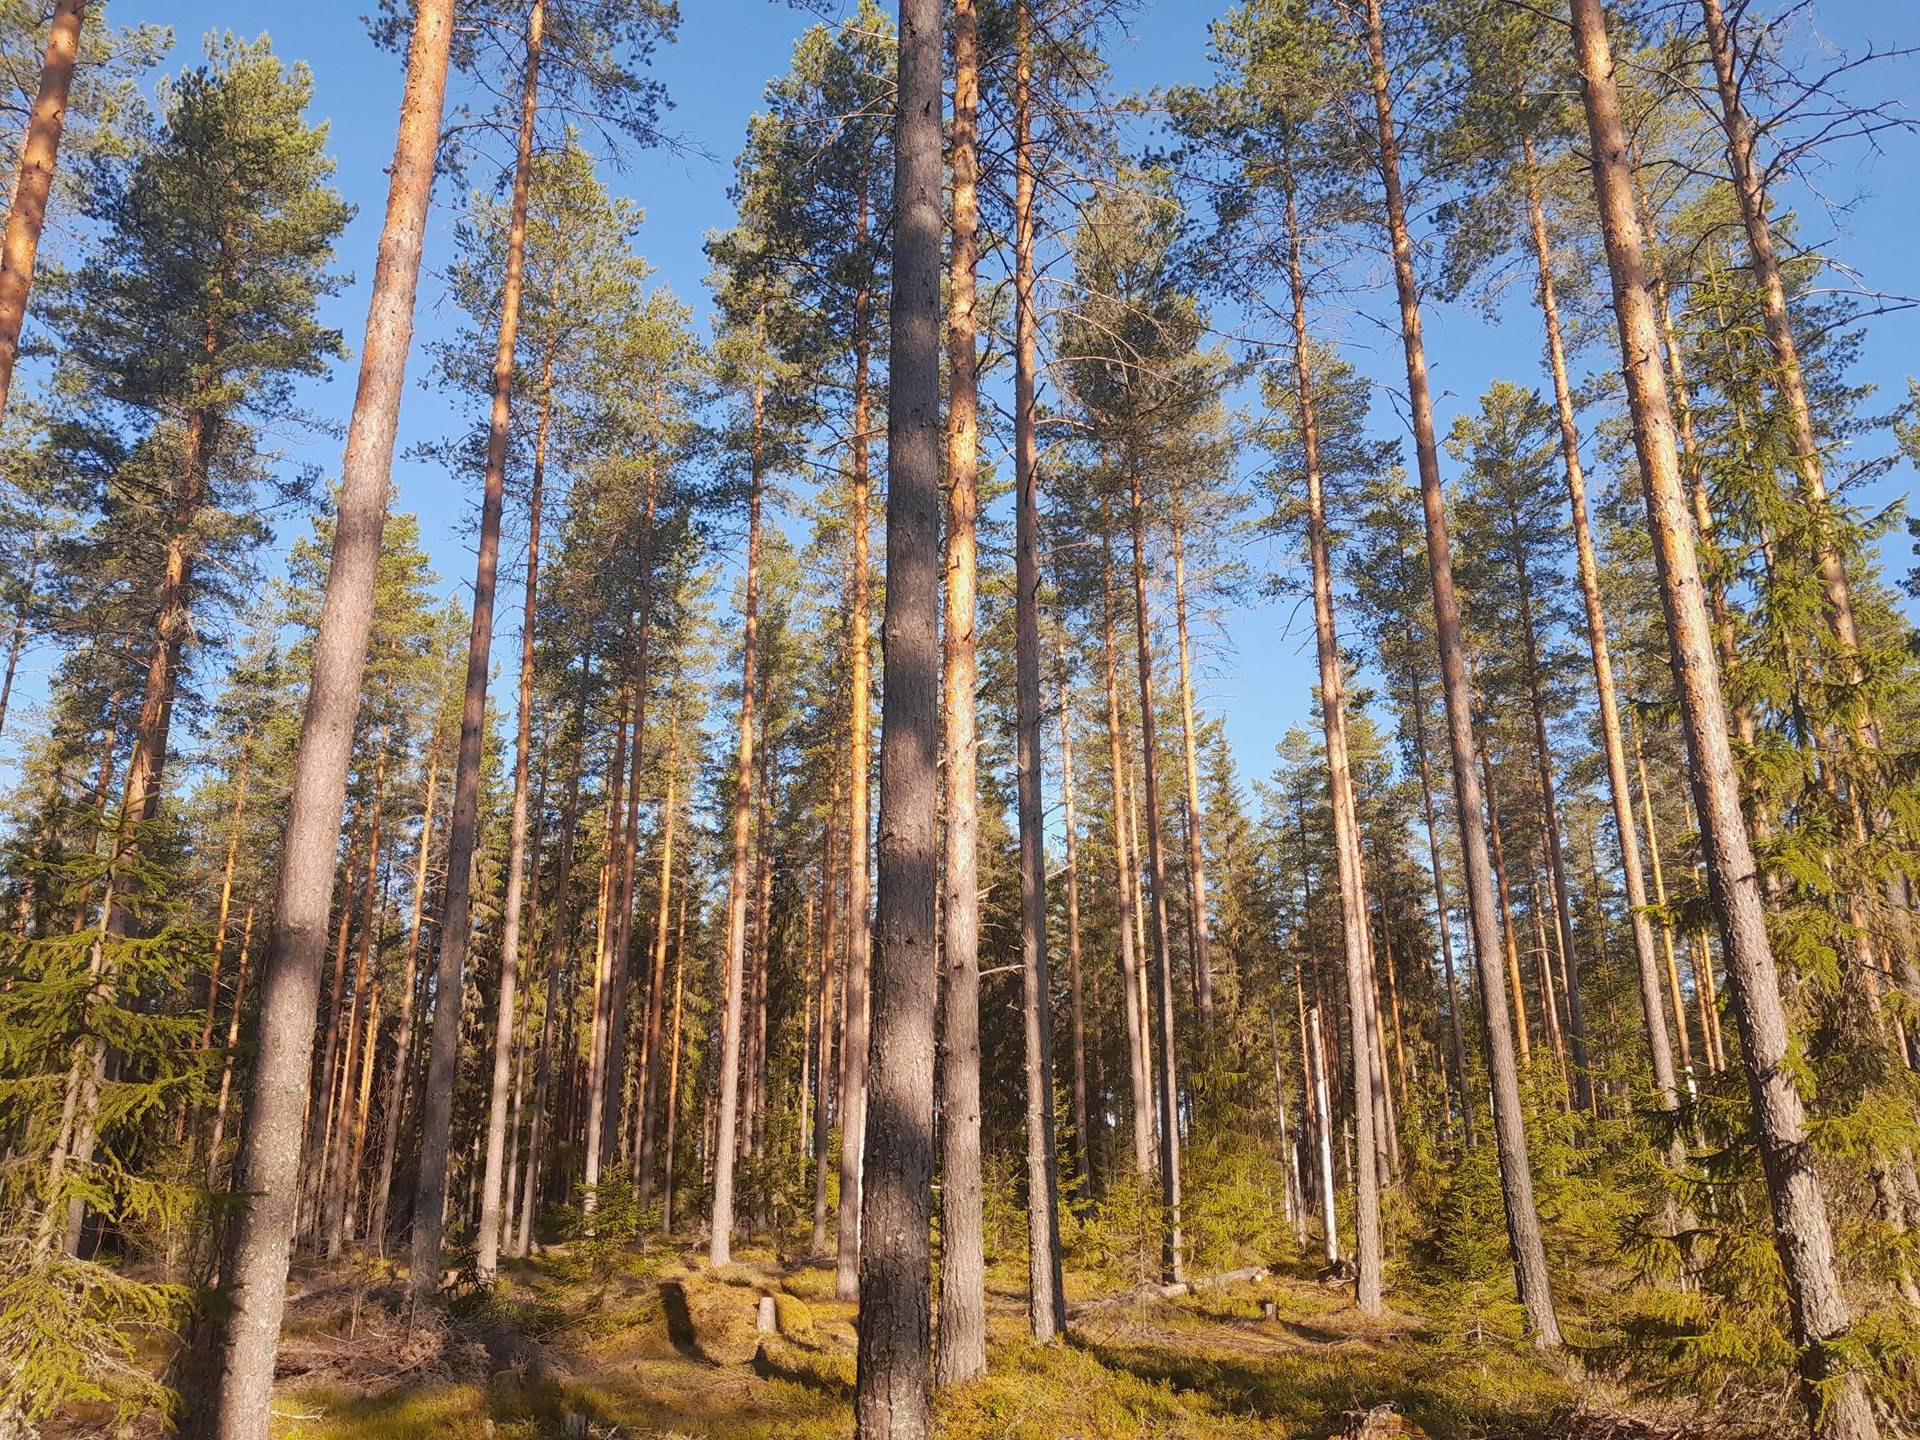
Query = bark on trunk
x=436 y=1108
x=1836 y=1394
x=892 y=1396
x=657 y=981
x=1140 y=1086
x=1172 y=1261
x=1516 y=1176
x=1196 y=841
x=1619 y=788
x=236 y=1402
x=494 y=1190
x=34 y=184
x=720 y=1239
x=1076 y=1012
x=1353 y=905
x=1046 y=1296
x=962 y=1354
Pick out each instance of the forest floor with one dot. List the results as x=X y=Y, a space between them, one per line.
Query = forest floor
x=653 y=1345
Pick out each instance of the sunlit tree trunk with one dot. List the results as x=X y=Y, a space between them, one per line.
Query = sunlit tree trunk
x=236 y=1400
x=1619 y=790
x=436 y=1107
x=1172 y=1260
x=1836 y=1393
x=1076 y=1004
x=34 y=184
x=1353 y=905
x=962 y=1352
x=494 y=1191
x=1196 y=839
x=720 y=1241
x=1516 y=1176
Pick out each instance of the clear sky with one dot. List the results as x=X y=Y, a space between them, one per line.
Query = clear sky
x=1258 y=664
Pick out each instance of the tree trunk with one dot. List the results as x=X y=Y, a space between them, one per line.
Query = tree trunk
x=1076 y=1014
x=1674 y=994
x=720 y=1240
x=236 y=1401
x=1173 y=1265
x=436 y=1110
x=1140 y=1085
x=1196 y=842
x=673 y=1069
x=893 y=1386
x=830 y=960
x=1046 y=1296
x=1346 y=848
x=606 y=936
x=557 y=947
x=854 y=1060
x=657 y=982
x=1456 y=1042
x=1550 y=816
x=1324 y=1126
x=1619 y=788
x=232 y=1048
x=1836 y=1394
x=334 y=1214
x=1516 y=1176
x=487 y=1246
x=34 y=184
x=962 y=1354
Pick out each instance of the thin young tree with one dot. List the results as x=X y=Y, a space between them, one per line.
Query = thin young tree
x=1046 y=1297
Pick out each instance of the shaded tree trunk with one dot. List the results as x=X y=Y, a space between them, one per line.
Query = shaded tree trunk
x=892 y=1395
x=1196 y=841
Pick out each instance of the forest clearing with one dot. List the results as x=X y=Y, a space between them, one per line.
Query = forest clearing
x=1172 y=721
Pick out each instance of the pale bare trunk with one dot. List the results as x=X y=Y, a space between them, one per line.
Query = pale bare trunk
x=237 y=1399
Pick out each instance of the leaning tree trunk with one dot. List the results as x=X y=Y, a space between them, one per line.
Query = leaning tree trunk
x=237 y=1400
x=739 y=878
x=1172 y=1261
x=1619 y=788
x=963 y=1278
x=35 y=183
x=1346 y=840
x=436 y=1109
x=487 y=1245
x=1516 y=1175
x=1046 y=1295
x=892 y=1392
x=1836 y=1393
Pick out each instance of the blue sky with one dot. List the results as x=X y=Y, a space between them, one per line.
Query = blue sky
x=1257 y=669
